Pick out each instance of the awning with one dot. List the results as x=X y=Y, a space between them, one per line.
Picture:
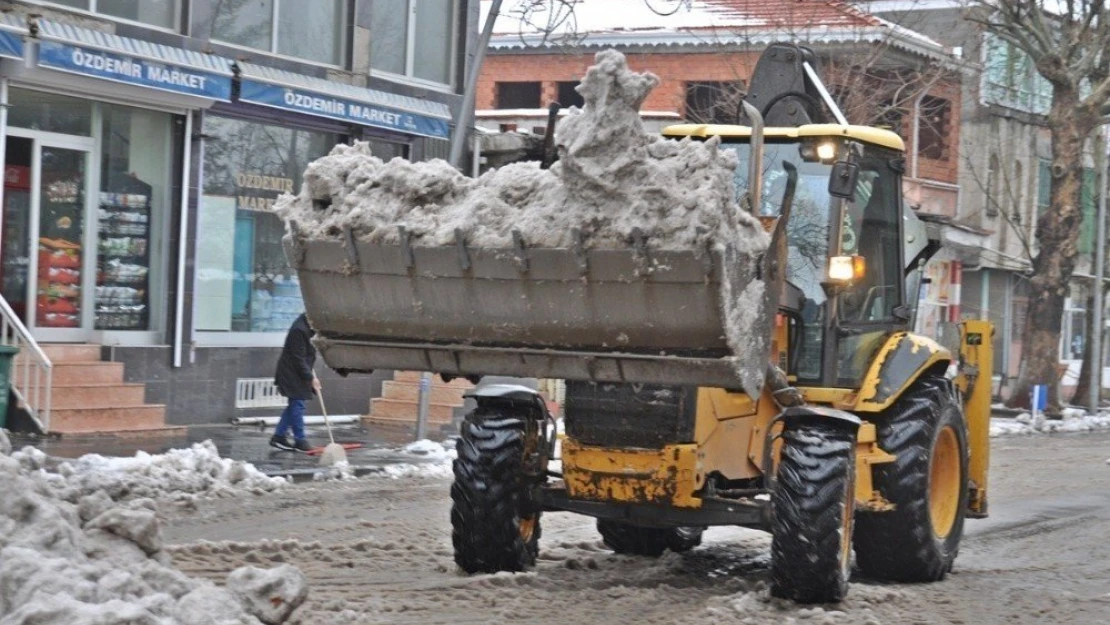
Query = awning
x=85 y=52
x=288 y=91
x=12 y=31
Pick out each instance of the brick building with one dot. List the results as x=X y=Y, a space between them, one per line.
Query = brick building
x=704 y=53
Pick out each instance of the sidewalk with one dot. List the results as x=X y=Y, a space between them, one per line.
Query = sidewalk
x=248 y=444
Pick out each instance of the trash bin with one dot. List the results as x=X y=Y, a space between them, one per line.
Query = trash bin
x=7 y=355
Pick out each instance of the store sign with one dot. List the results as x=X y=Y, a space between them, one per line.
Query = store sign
x=134 y=71
x=11 y=44
x=341 y=109
x=258 y=192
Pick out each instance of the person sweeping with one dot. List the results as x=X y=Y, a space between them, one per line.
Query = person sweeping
x=297 y=381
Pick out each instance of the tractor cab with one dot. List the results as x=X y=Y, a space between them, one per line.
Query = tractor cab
x=849 y=282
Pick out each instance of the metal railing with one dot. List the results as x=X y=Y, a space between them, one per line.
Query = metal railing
x=258 y=393
x=32 y=374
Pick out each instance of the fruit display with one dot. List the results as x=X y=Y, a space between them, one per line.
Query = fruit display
x=59 y=278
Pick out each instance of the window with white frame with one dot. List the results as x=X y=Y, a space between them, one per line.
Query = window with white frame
x=313 y=30
x=414 y=39
x=1073 y=330
x=161 y=13
x=1011 y=80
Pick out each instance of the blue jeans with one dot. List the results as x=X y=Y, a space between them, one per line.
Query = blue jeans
x=292 y=418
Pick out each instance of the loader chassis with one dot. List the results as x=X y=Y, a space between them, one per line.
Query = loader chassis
x=873 y=407
x=859 y=440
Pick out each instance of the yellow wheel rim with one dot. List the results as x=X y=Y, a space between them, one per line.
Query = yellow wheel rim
x=527 y=528
x=944 y=482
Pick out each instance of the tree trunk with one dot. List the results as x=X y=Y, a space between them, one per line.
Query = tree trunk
x=1057 y=238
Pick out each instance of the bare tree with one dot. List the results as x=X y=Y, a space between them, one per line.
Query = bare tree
x=1069 y=43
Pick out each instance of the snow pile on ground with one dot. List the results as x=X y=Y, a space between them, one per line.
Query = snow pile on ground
x=611 y=177
x=1074 y=420
x=178 y=474
x=341 y=470
x=73 y=552
x=430 y=459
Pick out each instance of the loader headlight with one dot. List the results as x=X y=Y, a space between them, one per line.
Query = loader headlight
x=826 y=151
x=823 y=151
x=846 y=269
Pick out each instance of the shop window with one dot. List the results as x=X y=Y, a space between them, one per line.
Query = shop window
x=568 y=96
x=244 y=283
x=388 y=150
x=518 y=95
x=133 y=202
x=713 y=102
x=415 y=39
x=161 y=13
x=936 y=119
x=36 y=110
x=284 y=27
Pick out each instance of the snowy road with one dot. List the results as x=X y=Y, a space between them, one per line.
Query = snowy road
x=378 y=551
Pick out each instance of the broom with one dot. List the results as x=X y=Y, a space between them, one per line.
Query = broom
x=334 y=453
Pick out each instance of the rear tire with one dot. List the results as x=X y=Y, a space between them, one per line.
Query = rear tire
x=634 y=540
x=927 y=483
x=812 y=503
x=495 y=525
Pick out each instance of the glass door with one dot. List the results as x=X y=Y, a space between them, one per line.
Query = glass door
x=15 y=240
x=60 y=295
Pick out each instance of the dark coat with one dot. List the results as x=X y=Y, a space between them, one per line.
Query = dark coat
x=294 y=369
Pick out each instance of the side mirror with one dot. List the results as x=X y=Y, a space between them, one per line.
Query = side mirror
x=843 y=179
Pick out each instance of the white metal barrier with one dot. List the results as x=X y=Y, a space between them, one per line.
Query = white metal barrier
x=258 y=393
x=32 y=374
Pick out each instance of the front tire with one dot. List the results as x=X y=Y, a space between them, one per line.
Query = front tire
x=495 y=526
x=647 y=541
x=927 y=483
x=812 y=503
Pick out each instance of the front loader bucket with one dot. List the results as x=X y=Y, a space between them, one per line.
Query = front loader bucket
x=613 y=315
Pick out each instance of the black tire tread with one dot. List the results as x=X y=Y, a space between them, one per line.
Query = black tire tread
x=900 y=545
x=488 y=494
x=635 y=540
x=811 y=494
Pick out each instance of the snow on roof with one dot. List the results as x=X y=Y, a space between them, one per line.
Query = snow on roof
x=583 y=17
x=601 y=23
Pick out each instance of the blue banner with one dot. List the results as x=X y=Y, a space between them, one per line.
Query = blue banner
x=134 y=71
x=342 y=109
x=11 y=44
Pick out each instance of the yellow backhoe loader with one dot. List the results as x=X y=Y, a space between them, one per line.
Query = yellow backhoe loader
x=865 y=437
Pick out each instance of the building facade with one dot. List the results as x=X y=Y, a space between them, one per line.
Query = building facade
x=146 y=142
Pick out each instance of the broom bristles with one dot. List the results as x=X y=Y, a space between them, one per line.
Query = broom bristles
x=334 y=453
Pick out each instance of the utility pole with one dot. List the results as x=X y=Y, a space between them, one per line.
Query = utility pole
x=466 y=115
x=1095 y=386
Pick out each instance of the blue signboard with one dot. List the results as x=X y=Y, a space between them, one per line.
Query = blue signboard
x=134 y=71
x=11 y=44
x=342 y=109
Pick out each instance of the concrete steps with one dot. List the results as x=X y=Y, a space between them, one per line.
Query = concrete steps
x=89 y=396
x=97 y=396
x=399 y=403
x=80 y=373
x=99 y=420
